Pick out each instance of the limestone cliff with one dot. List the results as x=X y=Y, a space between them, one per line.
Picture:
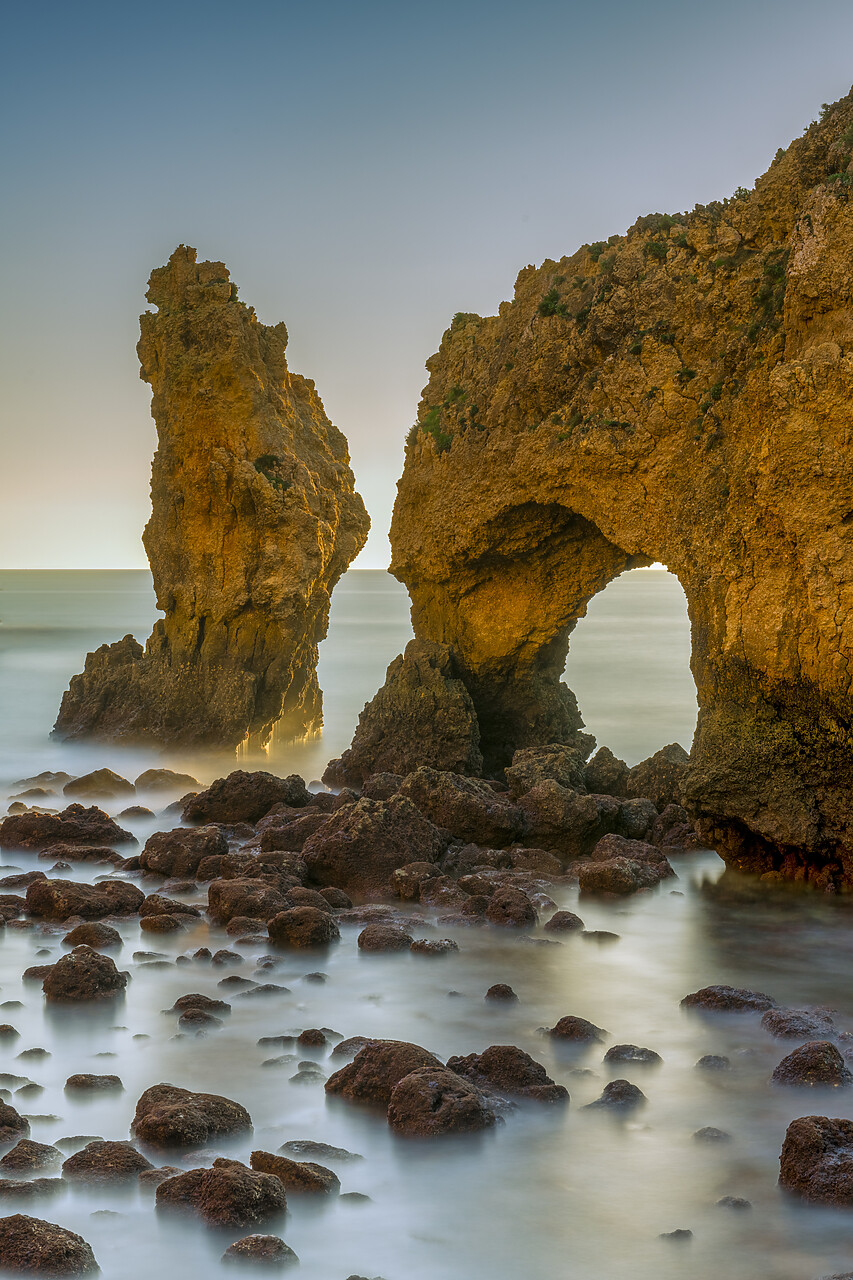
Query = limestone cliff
x=681 y=393
x=254 y=518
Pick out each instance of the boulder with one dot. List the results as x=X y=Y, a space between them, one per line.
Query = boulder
x=82 y=853
x=621 y=876
x=384 y=937
x=83 y=974
x=12 y=1125
x=632 y=1053
x=576 y=1029
x=500 y=991
x=261 y=1251
x=105 y=1162
x=565 y=821
x=508 y=1069
x=168 y=1116
x=226 y=1195
x=155 y=904
x=817 y=1064
x=816 y=1161
x=303 y=927
x=375 y=1070
x=554 y=762
x=660 y=777
x=245 y=797
x=165 y=780
x=74 y=825
x=723 y=999
x=180 y=852
x=798 y=1024
x=101 y=782
x=30 y=1246
x=510 y=907
x=381 y=786
x=60 y=899
x=618 y=1095
x=564 y=922
x=290 y=836
x=359 y=847
x=431 y=1101
x=672 y=829
x=433 y=946
x=298 y=1176
x=606 y=775
x=467 y=807
x=28 y=1155
x=299 y=896
x=422 y=715
x=636 y=818
x=83 y=1080
x=244 y=897
x=93 y=934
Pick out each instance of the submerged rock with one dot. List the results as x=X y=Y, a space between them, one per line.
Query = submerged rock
x=298 y=1176
x=61 y=899
x=29 y=1155
x=244 y=446
x=167 y=1116
x=618 y=1095
x=245 y=797
x=226 y=1195
x=83 y=974
x=431 y=1101
x=181 y=851
x=724 y=999
x=377 y=1068
x=508 y=1069
x=817 y=1064
x=263 y=1251
x=105 y=1162
x=303 y=927
x=816 y=1161
x=74 y=825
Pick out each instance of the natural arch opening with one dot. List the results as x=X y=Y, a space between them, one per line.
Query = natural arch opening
x=629 y=665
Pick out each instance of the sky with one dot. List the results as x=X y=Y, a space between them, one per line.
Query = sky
x=364 y=170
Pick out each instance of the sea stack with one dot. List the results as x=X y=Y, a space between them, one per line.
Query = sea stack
x=679 y=394
x=254 y=519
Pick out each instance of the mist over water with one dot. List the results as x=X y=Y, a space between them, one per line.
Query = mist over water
x=553 y=1191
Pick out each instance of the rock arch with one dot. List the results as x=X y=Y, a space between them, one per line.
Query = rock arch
x=681 y=394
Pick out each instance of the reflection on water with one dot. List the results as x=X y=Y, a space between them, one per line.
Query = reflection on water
x=554 y=1191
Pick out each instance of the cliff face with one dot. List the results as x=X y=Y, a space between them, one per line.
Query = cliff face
x=679 y=394
x=254 y=518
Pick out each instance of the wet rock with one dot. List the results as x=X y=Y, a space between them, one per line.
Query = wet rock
x=539 y=862
x=619 y=1095
x=605 y=774
x=798 y=1024
x=660 y=777
x=226 y=1195
x=350 y=1047
x=74 y=825
x=377 y=1068
x=423 y=714
x=714 y=1062
x=299 y=896
x=37 y=972
x=360 y=846
x=621 y=876
x=156 y=904
x=83 y=974
x=817 y=1064
x=28 y=1155
x=298 y=1176
x=93 y=934
x=467 y=807
x=181 y=852
x=381 y=786
x=565 y=821
x=723 y=999
x=164 y=924
x=636 y=818
x=8 y=1032
x=816 y=1161
x=500 y=991
x=303 y=927
x=198 y=1020
x=167 y=1116
x=680 y=1236
x=511 y=908
x=433 y=1100
x=632 y=1053
x=710 y=1134
x=240 y=926
x=150 y=1179
x=554 y=762
x=165 y=780
x=30 y=1246
x=508 y=1069
x=22 y=879
x=384 y=937
x=576 y=1029
x=101 y=782
x=243 y=897
x=733 y=1202
x=312 y=1038
x=564 y=922
x=105 y=1162
x=224 y=956
x=308 y=1147
x=433 y=946
x=672 y=829
x=442 y=893
x=245 y=797
x=264 y=1251
x=336 y=898
x=90 y=1082
x=26 y=1188
x=618 y=846
x=82 y=853
x=290 y=836
x=59 y=899
x=195 y=1000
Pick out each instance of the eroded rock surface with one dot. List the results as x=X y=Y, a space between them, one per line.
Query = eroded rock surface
x=679 y=394
x=254 y=518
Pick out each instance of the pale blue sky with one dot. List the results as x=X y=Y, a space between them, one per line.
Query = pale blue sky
x=364 y=170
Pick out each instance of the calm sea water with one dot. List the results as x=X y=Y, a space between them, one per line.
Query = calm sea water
x=553 y=1192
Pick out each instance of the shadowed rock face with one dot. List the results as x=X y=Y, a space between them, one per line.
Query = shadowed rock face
x=254 y=518
x=679 y=394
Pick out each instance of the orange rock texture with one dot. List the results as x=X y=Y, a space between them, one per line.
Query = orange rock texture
x=679 y=394
x=254 y=518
